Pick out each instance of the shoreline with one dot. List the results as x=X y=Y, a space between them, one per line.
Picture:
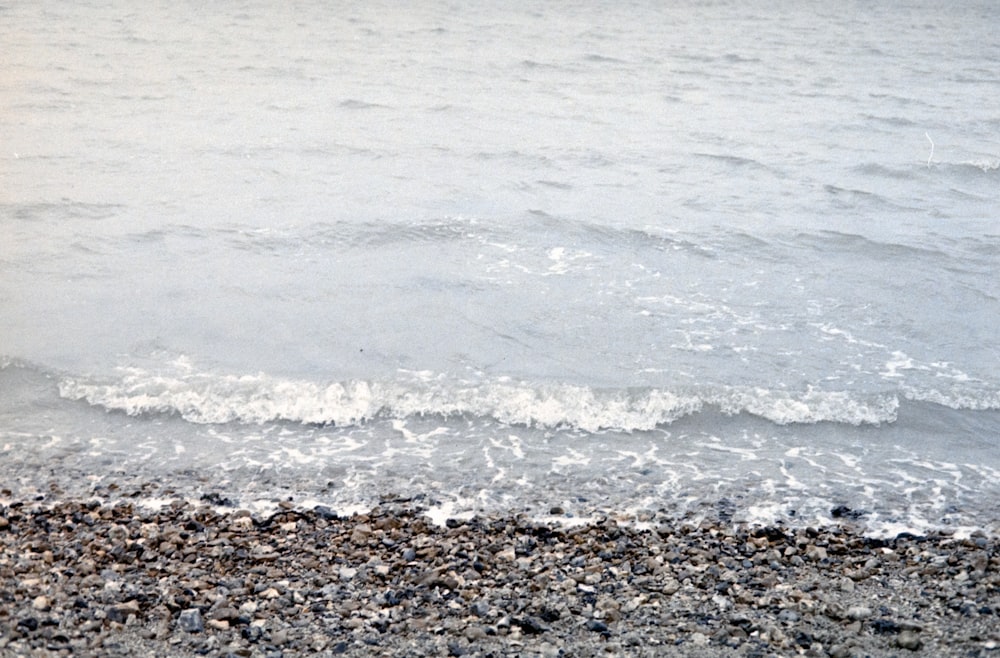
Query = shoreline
x=113 y=578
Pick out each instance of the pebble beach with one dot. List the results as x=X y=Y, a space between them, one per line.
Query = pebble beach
x=109 y=576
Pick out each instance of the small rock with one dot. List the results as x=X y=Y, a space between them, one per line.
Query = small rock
x=885 y=627
x=816 y=553
x=475 y=633
x=252 y=634
x=909 y=640
x=531 y=626
x=840 y=651
x=241 y=524
x=129 y=607
x=789 y=616
x=190 y=620
x=324 y=512
x=859 y=612
x=225 y=614
x=597 y=626
x=28 y=623
x=41 y=603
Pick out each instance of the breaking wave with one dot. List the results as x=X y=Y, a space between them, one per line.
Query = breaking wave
x=260 y=398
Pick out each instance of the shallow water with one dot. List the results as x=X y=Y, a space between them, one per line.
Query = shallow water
x=710 y=258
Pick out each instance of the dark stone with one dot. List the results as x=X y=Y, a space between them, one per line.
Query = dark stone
x=190 y=620
x=549 y=614
x=840 y=511
x=531 y=626
x=455 y=649
x=597 y=626
x=28 y=624
x=213 y=498
x=885 y=627
x=252 y=634
x=744 y=623
x=771 y=533
x=324 y=512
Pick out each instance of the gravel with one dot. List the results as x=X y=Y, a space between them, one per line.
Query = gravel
x=111 y=578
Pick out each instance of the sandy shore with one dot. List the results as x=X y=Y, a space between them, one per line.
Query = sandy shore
x=110 y=578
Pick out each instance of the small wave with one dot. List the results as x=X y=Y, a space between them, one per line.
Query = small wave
x=64 y=208
x=971 y=172
x=986 y=166
x=783 y=408
x=956 y=398
x=890 y=120
x=256 y=399
x=734 y=160
x=602 y=59
x=882 y=171
x=828 y=240
x=850 y=197
x=355 y=104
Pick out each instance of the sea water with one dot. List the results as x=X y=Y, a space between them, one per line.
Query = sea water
x=715 y=259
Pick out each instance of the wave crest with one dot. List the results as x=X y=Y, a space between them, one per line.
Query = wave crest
x=257 y=399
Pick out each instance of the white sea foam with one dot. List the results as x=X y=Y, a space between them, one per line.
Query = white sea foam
x=956 y=398
x=207 y=398
x=636 y=296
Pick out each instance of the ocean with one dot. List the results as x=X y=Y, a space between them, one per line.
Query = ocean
x=703 y=260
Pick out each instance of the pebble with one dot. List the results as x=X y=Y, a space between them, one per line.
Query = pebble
x=190 y=620
x=788 y=616
x=187 y=581
x=909 y=640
